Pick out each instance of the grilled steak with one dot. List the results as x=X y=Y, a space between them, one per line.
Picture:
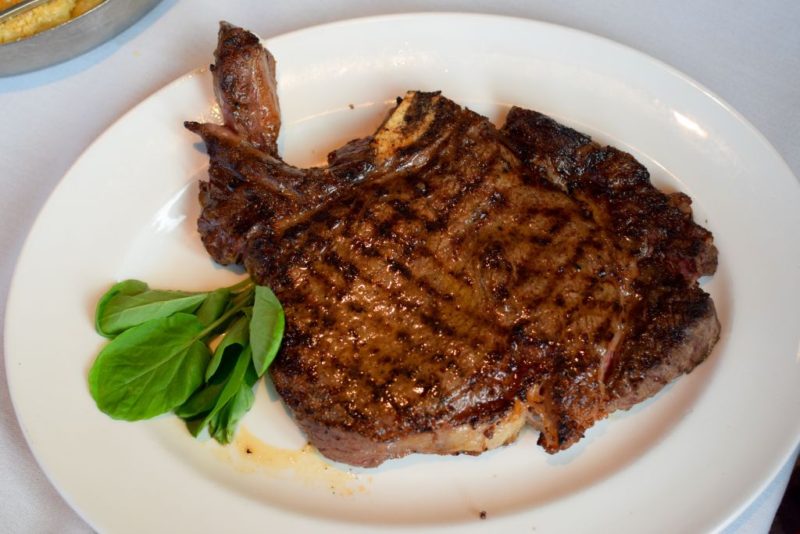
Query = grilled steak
x=446 y=282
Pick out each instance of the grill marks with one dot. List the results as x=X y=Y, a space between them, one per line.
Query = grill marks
x=616 y=190
x=441 y=273
x=666 y=252
x=450 y=257
x=388 y=267
x=384 y=242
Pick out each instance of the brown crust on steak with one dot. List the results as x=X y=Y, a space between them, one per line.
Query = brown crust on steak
x=442 y=277
x=344 y=445
x=657 y=228
x=670 y=324
x=671 y=333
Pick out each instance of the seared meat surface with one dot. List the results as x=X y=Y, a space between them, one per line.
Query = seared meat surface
x=446 y=282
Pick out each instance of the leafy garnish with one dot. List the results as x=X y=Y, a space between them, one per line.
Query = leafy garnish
x=159 y=358
x=213 y=306
x=266 y=328
x=238 y=334
x=231 y=385
x=150 y=369
x=223 y=424
x=132 y=302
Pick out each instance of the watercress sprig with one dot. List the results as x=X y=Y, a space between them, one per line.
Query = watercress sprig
x=160 y=359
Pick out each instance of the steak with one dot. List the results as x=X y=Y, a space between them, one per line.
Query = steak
x=446 y=282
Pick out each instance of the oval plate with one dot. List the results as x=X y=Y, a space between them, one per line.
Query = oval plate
x=688 y=460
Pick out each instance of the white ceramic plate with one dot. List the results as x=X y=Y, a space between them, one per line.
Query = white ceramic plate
x=688 y=460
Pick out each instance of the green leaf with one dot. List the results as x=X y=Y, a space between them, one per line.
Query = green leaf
x=234 y=381
x=126 y=287
x=250 y=376
x=200 y=403
x=266 y=328
x=203 y=400
x=131 y=303
x=213 y=306
x=223 y=425
x=150 y=369
x=237 y=335
x=228 y=386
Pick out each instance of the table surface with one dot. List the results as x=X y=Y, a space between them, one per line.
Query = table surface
x=746 y=52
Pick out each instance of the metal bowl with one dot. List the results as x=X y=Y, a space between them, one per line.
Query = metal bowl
x=73 y=37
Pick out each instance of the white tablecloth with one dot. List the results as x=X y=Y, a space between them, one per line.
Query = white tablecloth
x=747 y=52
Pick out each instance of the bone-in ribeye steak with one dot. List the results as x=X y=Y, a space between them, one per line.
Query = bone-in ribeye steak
x=446 y=282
